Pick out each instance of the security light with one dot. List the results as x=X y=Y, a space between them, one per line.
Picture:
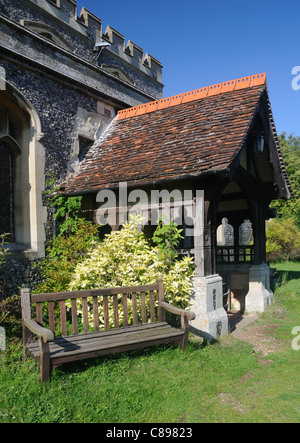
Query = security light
x=101 y=45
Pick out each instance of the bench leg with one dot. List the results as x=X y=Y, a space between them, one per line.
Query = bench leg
x=45 y=365
x=26 y=338
x=185 y=325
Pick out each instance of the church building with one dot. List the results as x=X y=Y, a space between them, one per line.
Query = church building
x=63 y=80
x=78 y=102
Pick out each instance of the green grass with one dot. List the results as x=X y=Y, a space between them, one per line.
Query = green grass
x=224 y=382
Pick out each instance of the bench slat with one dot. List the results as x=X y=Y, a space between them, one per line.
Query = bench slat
x=116 y=311
x=105 y=341
x=51 y=316
x=106 y=313
x=96 y=314
x=125 y=310
x=74 y=316
x=119 y=345
x=63 y=317
x=152 y=306
x=77 y=339
x=39 y=313
x=36 y=298
x=134 y=309
x=139 y=311
x=117 y=342
x=144 y=310
x=85 y=314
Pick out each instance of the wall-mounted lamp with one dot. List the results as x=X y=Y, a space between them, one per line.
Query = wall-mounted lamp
x=259 y=143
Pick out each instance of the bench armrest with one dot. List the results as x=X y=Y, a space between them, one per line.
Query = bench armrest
x=189 y=314
x=46 y=334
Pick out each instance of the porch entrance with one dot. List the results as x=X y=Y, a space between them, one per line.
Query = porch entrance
x=234 y=245
x=234 y=256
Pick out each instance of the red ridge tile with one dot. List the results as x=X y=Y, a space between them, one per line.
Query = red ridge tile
x=197 y=94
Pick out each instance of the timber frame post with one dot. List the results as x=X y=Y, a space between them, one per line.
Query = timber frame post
x=260 y=295
x=211 y=319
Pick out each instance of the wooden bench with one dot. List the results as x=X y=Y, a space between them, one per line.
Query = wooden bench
x=138 y=315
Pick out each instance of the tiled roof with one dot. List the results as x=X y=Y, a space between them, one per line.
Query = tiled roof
x=199 y=133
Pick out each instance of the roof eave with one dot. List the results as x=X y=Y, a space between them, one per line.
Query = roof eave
x=146 y=183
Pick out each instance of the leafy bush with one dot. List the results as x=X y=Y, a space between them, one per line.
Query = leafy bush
x=63 y=254
x=283 y=239
x=3 y=249
x=10 y=316
x=125 y=258
x=67 y=210
x=3 y=254
x=290 y=148
x=166 y=237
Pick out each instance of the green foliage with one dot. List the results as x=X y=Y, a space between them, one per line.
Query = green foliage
x=67 y=209
x=290 y=148
x=166 y=237
x=283 y=234
x=126 y=258
x=67 y=214
x=10 y=316
x=75 y=236
x=63 y=254
x=3 y=249
x=3 y=254
x=283 y=239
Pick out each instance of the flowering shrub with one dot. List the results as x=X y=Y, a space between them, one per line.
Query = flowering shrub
x=125 y=258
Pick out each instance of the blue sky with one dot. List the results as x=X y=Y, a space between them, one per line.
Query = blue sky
x=202 y=42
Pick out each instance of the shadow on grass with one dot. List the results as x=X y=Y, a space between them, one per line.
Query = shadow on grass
x=281 y=277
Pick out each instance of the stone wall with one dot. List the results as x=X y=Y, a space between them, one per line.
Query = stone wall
x=18 y=271
x=74 y=78
x=57 y=107
x=81 y=37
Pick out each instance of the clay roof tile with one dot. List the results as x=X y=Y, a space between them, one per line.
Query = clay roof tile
x=187 y=134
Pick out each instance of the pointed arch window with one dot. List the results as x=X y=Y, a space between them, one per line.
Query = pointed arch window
x=22 y=180
x=10 y=139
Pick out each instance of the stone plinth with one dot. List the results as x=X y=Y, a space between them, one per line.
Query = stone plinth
x=211 y=319
x=259 y=295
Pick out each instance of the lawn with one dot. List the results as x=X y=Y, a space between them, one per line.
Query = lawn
x=229 y=381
